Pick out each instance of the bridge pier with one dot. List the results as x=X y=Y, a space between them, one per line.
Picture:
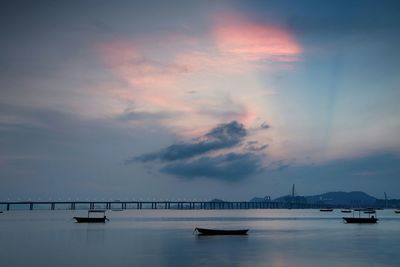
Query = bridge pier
x=192 y=205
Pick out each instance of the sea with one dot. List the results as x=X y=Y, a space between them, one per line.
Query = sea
x=154 y=238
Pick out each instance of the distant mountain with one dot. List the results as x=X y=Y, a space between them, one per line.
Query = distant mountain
x=332 y=198
x=342 y=198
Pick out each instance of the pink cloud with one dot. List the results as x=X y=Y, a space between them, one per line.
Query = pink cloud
x=253 y=41
x=221 y=68
x=151 y=83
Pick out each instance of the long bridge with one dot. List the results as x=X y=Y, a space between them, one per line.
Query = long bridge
x=124 y=205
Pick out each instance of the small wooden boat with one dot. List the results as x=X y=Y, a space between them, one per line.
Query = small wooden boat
x=369 y=211
x=326 y=210
x=204 y=231
x=89 y=219
x=346 y=210
x=360 y=220
x=397 y=211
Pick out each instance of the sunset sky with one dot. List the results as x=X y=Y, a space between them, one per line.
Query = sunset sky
x=198 y=99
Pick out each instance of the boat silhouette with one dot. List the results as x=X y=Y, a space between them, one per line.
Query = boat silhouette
x=326 y=210
x=89 y=219
x=205 y=231
x=346 y=210
x=359 y=219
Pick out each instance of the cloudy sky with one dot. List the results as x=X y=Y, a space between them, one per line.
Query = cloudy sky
x=198 y=99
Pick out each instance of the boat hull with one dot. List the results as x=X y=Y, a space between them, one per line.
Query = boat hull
x=360 y=220
x=326 y=210
x=204 y=231
x=90 y=220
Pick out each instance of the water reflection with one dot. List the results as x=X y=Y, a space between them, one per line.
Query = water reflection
x=165 y=238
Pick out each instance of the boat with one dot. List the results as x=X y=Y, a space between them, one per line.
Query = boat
x=326 y=210
x=346 y=210
x=205 y=231
x=359 y=219
x=369 y=211
x=90 y=219
x=397 y=211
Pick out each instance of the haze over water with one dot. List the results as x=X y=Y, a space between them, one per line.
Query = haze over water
x=165 y=238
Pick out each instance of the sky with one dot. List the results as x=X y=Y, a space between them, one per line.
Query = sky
x=182 y=100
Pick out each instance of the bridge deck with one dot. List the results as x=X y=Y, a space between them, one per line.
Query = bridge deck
x=110 y=205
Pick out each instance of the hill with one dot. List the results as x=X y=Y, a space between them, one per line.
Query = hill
x=342 y=198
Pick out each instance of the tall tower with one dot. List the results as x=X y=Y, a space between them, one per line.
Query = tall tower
x=293 y=191
x=385 y=200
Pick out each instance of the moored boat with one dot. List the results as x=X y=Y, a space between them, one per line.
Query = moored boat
x=397 y=211
x=90 y=219
x=326 y=210
x=205 y=231
x=346 y=210
x=360 y=220
x=369 y=211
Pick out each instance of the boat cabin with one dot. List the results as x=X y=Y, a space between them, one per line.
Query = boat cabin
x=91 y=218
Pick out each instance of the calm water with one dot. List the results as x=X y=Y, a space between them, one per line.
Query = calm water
x=164 y=238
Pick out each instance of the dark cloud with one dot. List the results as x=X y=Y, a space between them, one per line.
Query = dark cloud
x=223 y=136
x=279 y=165
x=133 y=115
x=190 y=160
x=264 y=125
x=254 y=147
x=229 y=167
x=228 y=131
x=259 y=148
